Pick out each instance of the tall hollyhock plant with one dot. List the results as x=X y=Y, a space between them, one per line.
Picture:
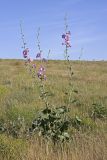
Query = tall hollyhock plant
x=66 y=42
x=51 y=123
x=38 y=73
x=41 y=73
x=25 y=52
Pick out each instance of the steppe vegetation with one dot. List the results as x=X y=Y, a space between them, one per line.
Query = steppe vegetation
x=20 y=104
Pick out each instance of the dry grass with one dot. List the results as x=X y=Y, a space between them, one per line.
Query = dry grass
x=82 y=147
x=19 y=96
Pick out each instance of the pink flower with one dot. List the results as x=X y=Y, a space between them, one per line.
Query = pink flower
x=39 y=54
x=25 y=53
x=41 y=73
x=42 y=69
x=66 y=38
x=63 y=36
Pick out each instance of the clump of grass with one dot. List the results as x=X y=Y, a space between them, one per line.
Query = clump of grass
x=3 y=90
x=98 y=111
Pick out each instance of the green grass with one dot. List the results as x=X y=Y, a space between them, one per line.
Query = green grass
x=19 y=96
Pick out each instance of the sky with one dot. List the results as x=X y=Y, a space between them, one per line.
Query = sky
x=87 y=21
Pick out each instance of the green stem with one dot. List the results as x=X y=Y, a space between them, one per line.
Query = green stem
x=43 y=94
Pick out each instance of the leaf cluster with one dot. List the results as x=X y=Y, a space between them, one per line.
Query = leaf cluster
x=52 y=124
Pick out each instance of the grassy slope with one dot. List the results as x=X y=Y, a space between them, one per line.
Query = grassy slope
x=19 y=96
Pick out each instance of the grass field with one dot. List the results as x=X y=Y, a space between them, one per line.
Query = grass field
x=19 y=97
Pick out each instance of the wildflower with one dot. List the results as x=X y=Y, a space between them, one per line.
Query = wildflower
x=25 y=53
x=63 y=36
x=66 y=38
x=42 y=69
x=67 y=43
x=41 y=73
x=38 y=55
